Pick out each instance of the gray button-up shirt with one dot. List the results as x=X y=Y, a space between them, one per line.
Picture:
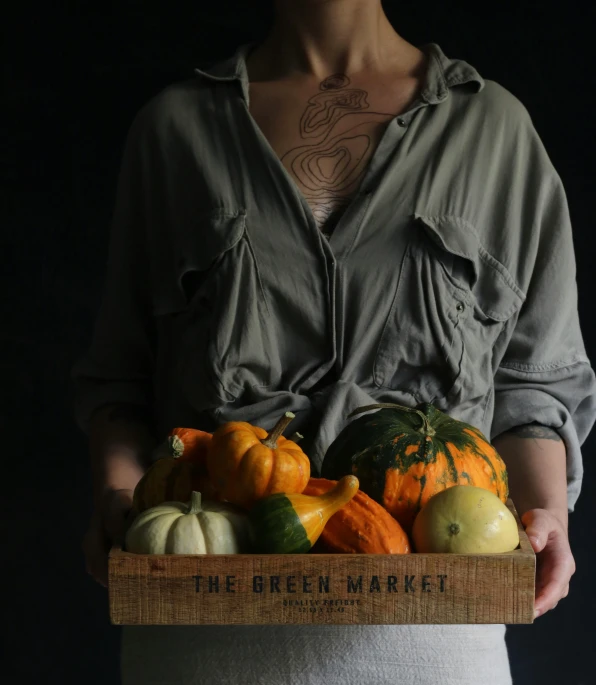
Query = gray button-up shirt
x=450 y=277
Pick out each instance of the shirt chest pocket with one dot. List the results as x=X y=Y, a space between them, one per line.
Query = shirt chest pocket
x=212 y=296
x=452 y=303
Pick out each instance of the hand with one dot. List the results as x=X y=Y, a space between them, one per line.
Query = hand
x=555 y=563
x=107 y=527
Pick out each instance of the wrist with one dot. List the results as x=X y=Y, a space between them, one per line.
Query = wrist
x=537 y=471
x=562 y=516
x=121 y=444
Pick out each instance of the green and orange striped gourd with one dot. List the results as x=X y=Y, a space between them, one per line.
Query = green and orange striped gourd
x=403 y=456
x=292 y=523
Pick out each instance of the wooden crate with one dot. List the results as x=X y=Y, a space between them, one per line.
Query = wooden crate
x=377 y=589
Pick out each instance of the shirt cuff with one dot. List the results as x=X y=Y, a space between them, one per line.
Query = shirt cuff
x=93 y=394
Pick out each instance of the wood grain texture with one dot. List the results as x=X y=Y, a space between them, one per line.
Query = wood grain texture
x=248 y=589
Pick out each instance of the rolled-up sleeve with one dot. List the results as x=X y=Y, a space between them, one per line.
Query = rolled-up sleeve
x=544 y=375
x=118 y=366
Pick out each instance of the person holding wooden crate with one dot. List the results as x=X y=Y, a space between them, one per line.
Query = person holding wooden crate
x=330 y=218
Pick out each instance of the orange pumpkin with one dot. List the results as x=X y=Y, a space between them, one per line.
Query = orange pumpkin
x=246 y=464
x=362 y=526
x=179 y=469
x=171 y=480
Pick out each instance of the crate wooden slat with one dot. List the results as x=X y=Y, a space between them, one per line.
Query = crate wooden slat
x=249 y=589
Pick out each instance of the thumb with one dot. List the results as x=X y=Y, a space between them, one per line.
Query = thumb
x=537 y=529
x=117 y=512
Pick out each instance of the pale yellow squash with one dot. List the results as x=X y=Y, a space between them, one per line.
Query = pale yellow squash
x=465 y=520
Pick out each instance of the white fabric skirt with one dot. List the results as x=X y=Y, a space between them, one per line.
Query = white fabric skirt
x=315 y=655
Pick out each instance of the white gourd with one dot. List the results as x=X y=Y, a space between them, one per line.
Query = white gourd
x=199 y=527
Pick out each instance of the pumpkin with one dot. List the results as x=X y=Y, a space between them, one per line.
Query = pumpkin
x=179 y=467
x=171 y=479
x=362 y=526
x=403 y=456
x=246 y=464
x=465 y=520
x=291 y=523
x=198 y=527
x=188 y=444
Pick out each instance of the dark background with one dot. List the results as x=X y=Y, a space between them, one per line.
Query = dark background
x=73 y=80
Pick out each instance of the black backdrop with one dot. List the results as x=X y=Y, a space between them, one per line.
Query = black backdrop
x=73 y=80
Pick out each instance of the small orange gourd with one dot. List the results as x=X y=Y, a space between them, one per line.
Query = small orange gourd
x=246 y=464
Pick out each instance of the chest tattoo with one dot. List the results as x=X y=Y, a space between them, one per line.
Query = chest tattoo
x=339 y=131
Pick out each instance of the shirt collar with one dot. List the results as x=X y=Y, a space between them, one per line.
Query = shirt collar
x=442 y=75
x=231 y=68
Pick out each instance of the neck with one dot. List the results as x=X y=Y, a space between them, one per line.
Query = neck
x=322 y=37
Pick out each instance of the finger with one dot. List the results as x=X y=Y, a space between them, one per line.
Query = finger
x=548 y=596
x=538 y=527
x=96 y=563
x=126 y=522
x=95 y=551
x=117 y=515
x=98 y=570
x=555 y=567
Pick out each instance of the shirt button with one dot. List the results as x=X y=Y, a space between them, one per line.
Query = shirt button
x=401 y=122
x=460 y=307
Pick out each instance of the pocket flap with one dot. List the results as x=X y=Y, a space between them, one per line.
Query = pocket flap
x=493 y=287
x=216 y=231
